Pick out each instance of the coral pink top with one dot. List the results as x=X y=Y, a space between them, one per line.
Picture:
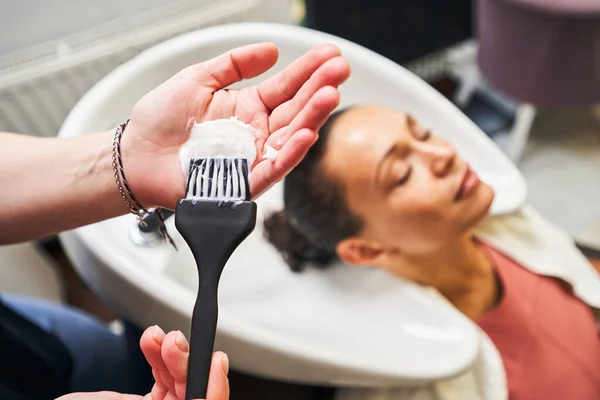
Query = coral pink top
x=548 y=339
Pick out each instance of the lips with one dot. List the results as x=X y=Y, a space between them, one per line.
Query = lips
x=469 y=182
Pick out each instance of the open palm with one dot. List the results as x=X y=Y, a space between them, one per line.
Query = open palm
x=286 y=110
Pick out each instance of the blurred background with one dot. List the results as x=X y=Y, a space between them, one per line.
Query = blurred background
x=536 y=98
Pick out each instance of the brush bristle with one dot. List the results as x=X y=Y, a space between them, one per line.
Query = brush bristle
x=220 y=178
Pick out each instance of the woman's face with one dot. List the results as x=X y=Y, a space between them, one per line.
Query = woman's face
x=411 y=190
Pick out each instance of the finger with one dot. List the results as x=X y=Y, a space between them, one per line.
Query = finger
x=158 y=392
x=218 y=384
x=284 y=85
x=332 y=73
x=175 y=353
x=267 y=173
x=101 y=396
x=240 y=63
x=151 y=344
x=312 y=116
x=295 y=141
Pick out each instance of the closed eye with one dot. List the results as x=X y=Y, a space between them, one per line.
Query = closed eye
x=403 y=180
x=426 y=135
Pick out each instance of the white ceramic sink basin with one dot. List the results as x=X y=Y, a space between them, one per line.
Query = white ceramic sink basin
x=343 y=326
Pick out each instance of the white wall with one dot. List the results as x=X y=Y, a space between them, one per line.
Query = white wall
x=40 y=84
x=24 y=23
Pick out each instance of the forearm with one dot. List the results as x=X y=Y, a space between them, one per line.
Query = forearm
x=49 y=185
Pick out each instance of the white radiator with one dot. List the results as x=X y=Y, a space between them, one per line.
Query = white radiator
x=39 y=85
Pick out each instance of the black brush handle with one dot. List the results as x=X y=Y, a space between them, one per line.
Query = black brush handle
x=212 y=230
x=202 y=338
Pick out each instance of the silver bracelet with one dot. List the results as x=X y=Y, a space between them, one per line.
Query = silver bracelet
x=134 y=206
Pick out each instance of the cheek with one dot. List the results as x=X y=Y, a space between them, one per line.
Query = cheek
x=470 y=212
x=417 y=222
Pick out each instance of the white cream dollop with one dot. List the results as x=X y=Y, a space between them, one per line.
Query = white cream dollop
x=270 y=153
x=219 y=138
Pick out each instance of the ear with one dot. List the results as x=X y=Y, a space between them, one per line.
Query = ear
x=357 y=251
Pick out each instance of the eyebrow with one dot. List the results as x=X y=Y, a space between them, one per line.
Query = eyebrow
x=408 y=121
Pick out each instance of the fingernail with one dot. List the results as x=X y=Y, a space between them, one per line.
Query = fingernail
x=157 y=333
x=225 y=363
x=181 y=342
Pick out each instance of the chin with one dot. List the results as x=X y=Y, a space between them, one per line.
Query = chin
x=478 y=206
x=483 y=201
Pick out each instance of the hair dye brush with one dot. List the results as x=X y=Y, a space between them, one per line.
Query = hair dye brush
x=214 y=218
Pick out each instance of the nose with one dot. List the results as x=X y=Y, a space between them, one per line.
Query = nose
x=439 y=157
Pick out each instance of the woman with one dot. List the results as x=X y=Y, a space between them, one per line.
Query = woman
x=53 y=184
x=379 y=189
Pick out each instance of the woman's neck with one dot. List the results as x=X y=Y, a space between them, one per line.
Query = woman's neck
x=461 y=272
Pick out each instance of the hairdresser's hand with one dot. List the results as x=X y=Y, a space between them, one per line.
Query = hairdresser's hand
x=168 y=356
x=286 y=109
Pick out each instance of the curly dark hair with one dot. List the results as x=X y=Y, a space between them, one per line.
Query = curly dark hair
x=315 y=217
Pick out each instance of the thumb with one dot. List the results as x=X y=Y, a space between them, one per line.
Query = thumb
x=218 y=383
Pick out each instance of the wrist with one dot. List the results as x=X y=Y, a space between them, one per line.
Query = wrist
x=123 y=157
x=118 y=161
x=153 y=172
